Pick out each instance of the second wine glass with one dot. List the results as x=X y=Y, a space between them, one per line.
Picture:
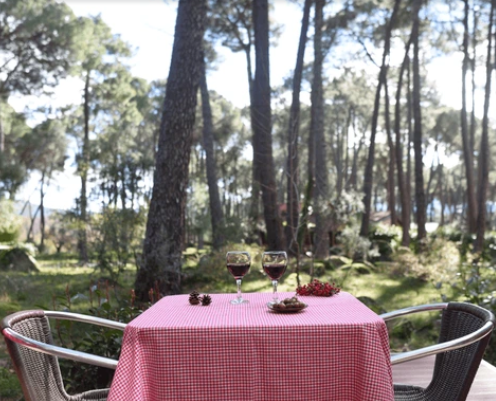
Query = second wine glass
x=238 y=264
x=274 y=264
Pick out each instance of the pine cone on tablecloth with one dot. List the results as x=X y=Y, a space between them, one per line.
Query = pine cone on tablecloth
x=206 y=300
x=194 y=298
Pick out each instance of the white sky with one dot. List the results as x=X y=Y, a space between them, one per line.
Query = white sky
x=148 y=25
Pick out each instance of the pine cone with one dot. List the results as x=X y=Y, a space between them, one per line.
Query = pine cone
x=194 y=298
x=206 y=300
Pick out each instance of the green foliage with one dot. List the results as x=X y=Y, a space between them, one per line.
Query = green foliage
x=475 y=282
x=62 y=231
x=117 y=238
x=13 y=159
x=354 y=246
x=94 y=339
x=10 y=222
x=36 y=40
x=10 y=388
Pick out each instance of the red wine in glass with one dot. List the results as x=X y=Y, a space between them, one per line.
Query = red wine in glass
x=238 y=270
x=238 y=264
x=275 y=271
x=274 y=264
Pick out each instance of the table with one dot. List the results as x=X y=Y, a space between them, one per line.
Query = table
x=336 y=349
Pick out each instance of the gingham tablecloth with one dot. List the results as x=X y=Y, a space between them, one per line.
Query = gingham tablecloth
x=335 y=350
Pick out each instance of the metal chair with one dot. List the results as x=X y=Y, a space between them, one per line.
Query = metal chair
x=465 y=333
x=34 y=356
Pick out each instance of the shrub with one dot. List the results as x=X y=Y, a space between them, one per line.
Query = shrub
x=10 y=223
x=355 y=246
x=93 y=339
x=10 y=388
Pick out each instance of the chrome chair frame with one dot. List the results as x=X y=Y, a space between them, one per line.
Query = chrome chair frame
x=464 y=334
x=461 y=342
x=35 y=357
x=62 y=352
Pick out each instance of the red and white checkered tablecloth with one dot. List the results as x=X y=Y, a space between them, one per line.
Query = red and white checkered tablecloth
x=337 y=349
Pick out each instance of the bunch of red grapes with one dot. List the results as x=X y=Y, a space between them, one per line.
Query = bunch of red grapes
x=318 y=288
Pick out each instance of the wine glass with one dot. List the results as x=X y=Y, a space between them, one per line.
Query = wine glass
x=238 y=264
x=274 y=264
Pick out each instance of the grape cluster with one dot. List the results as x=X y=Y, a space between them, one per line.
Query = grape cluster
x=318 y=288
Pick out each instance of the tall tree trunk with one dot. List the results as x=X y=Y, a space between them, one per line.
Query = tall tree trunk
x=42 y=212
x=123 y=192
x=84 y=166
x=293 y=198
x=369 y=169
x=392 y=157
x=417 y=127
x=321 y=250
x=262 y=128
x=484 y=146
x=472 y=68
x=343 y=156
x=409 y=139
x=441 y=194
x=467 y=151
x=162 y=249
x=216 y=213
x=352 y=182
x=309 y=187
x=29 y=237
x=2 y=134
x=255 y=187
x=402 y=185
x=351 y=112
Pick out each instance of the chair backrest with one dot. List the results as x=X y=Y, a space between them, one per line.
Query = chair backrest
x=454 y=371
x=38 y=373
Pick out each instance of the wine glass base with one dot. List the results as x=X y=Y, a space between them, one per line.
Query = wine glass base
x=239 y=301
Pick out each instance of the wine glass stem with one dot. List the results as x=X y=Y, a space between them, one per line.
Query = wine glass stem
x=238 y=284
x=274 y=286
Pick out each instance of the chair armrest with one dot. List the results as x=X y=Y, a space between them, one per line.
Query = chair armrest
x=413 y=309
x=62 y=352
x=437 y=348
x=77 y=317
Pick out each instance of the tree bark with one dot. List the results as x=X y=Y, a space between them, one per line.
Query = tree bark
x=163 y=245
x=392 y=157
x=321 y=248
x=472 y=67
x=484 y=146
x=84 y=166
x=441 y=194
x=255 y=187
x=417 y=127
x=402 y=186
x=261 y=109
x=216 y=213
x=42 y=212
x=352 y=182
x=2 y=134
x=351 y=112
x=293 y=198
x=467 y=151
x=342 y=154
x=369 y=169
x=29 y=238
x=409 y=138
